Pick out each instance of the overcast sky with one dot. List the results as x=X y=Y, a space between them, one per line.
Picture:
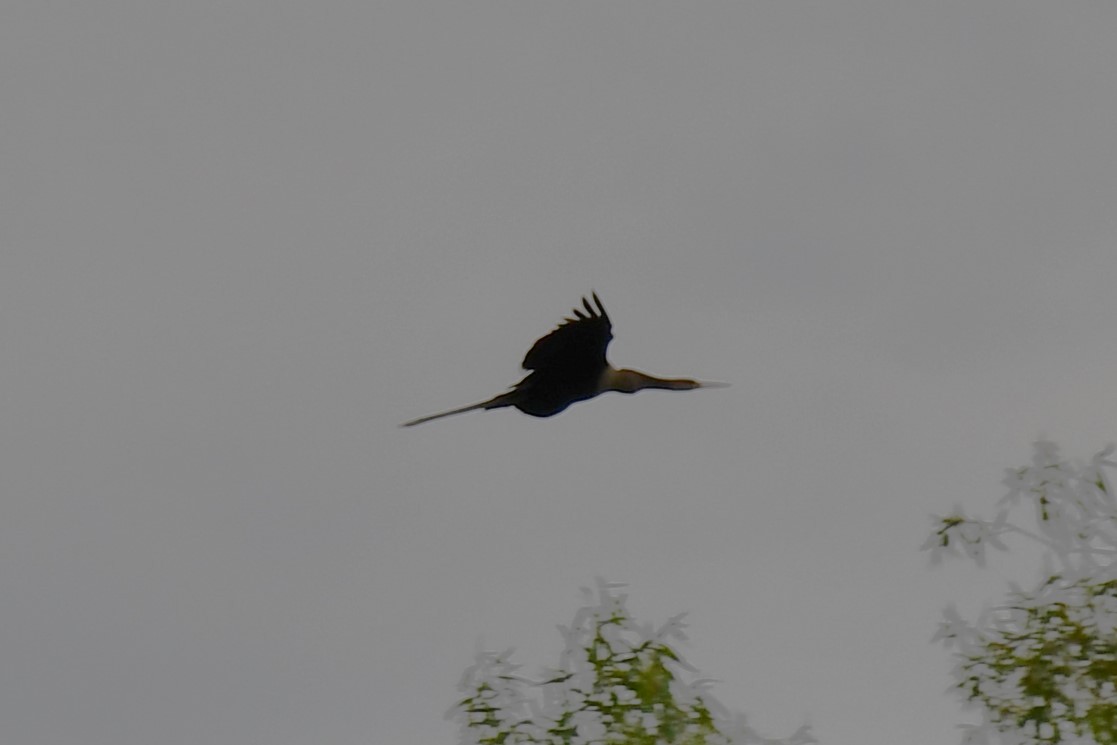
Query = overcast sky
x=241 y=241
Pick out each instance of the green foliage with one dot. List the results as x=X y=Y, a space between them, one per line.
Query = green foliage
x=1052 y=675
x=620 y=683
x=1042 y=667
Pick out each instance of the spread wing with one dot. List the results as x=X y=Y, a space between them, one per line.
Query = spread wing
x=577 y=345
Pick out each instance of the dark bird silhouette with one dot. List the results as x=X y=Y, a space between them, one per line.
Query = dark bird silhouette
x=569 y=365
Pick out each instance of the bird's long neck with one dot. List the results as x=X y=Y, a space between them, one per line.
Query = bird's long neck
x=630 y=381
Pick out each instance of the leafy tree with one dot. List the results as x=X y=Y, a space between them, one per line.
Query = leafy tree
x=618 y=683
x=1042 y=667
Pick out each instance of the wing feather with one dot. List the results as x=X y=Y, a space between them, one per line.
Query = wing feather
x=577 y=345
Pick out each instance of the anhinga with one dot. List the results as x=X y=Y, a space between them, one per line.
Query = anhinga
x=569 y=365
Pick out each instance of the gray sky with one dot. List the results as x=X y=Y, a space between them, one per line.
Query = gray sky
x=242 y=241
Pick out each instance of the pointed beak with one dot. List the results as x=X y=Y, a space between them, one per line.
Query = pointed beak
x=711 y=384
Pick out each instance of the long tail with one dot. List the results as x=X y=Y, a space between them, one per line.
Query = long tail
x=497 y=402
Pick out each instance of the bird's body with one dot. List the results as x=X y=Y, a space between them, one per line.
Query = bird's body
x=569 y=365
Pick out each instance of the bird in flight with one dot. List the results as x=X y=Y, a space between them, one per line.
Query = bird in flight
x=568 y=365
